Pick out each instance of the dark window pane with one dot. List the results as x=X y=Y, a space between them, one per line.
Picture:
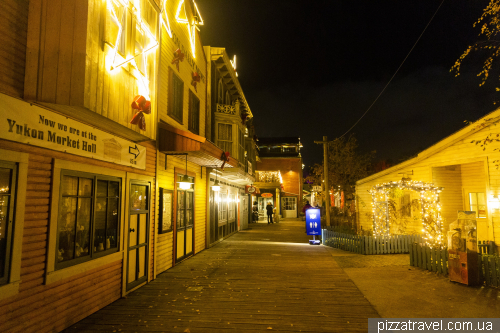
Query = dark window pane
x=100 y=223
x=69 y=185
x=83 y=227
x=114 y=189
x=102 y=188
x=112 y=227
x=4 y=220
x=5 y=175
x=85 y=187
x=138 y=197
x=66 y=229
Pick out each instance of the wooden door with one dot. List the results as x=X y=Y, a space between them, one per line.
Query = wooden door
x=138 y=234
x=185 y=222
x=289 y=207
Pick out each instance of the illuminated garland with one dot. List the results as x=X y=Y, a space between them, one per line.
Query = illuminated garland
x=429 y=203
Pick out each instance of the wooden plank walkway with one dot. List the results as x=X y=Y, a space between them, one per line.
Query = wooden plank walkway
x=264 y=279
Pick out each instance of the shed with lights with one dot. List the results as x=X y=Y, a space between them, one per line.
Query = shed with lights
x=424 y=194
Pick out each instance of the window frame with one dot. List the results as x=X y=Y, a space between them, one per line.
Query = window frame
x=174 y=105
x=194 y=113
x=476 y=194
x=177 y=209
x=225 y=141
x=10 y=221
x=231 y=210
x=93 y=255
x=222 y=215
x=161 y=230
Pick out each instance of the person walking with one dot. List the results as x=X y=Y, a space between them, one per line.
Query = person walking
x=269 y=209
x=255 y=212
x=306 y=207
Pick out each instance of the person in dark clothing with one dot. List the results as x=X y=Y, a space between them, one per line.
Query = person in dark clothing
x=255 y=212
x=306 y=207
x=269 y=209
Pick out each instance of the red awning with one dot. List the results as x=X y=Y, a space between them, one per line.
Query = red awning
x=200 y=151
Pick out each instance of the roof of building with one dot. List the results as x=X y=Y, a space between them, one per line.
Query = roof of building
x=462 y=134
x=279 y=140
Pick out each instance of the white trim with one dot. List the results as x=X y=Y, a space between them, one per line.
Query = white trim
x=12 y=288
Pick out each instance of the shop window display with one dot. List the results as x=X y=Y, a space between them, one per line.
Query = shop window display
x=88 y=218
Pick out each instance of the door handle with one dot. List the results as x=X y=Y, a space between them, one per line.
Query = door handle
x=132 y=230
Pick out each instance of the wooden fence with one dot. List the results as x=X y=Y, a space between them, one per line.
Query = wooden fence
x=436 y=260
x=368 y=244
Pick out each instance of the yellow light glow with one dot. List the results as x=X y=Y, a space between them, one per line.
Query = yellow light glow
x=192 y=20
x=117 y=61
x=164 y=19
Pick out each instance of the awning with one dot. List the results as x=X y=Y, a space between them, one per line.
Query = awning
x=198 y=149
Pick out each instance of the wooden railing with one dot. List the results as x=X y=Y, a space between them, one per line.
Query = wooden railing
x=225 y=108
x=368 y=244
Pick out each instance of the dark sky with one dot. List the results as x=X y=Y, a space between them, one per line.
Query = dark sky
x=312 y=68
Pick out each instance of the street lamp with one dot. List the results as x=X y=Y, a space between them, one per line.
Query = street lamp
x=185 y=183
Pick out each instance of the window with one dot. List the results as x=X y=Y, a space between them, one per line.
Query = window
x=165 y=218
x=88 y=219
x=194 y=113
x=241 y=148
x=231 y=211
x=289 y=149
x=225 y=137
x=185 y=206
x=219 y=92
x=477 y=203
x=176 y=96
x=289 y=203
x=405 y=205
x=7 y=195
x=223 y=208
x=228 y=98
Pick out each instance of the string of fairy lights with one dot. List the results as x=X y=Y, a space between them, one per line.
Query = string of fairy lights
x=429 y=205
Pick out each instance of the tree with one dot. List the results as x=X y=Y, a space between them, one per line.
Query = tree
x=488 y=43
x=345 y=166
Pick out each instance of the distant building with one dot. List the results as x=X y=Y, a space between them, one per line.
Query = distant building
x=279 y=172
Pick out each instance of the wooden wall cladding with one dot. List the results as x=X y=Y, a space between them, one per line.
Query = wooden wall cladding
x=68 y=64
x=14 y=27
x=53 y=307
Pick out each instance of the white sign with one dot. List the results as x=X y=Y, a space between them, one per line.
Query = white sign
x=31 y=124
x=317 y=188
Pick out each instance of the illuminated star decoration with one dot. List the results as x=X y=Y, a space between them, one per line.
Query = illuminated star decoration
x=164 y=19
x=188 y=13
x=117 y=60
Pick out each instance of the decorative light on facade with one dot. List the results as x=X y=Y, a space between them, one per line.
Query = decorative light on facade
x=192 y=20
x=164 y=19
x=429 y=204
x=117 y=61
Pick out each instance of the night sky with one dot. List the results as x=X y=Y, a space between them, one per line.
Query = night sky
x=312 y=68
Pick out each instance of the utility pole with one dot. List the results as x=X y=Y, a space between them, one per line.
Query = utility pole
x=325 y=177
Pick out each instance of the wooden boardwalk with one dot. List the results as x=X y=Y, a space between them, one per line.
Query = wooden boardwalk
x=260 y=280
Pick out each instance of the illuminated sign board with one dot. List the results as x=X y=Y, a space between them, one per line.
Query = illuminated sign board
x=313 y=221
x=266 y=195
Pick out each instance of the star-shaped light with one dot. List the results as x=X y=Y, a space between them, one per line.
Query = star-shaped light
x=188 y=13
x=164 y=19
x=117 y=60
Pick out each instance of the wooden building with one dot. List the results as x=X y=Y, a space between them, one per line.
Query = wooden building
x=465 y=168
x=229 y=127
x=78 y=178
x=279 y=172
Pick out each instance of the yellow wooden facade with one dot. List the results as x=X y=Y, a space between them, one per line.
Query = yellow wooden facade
x=179 y=35
x=89 y=59
x=463 y=168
